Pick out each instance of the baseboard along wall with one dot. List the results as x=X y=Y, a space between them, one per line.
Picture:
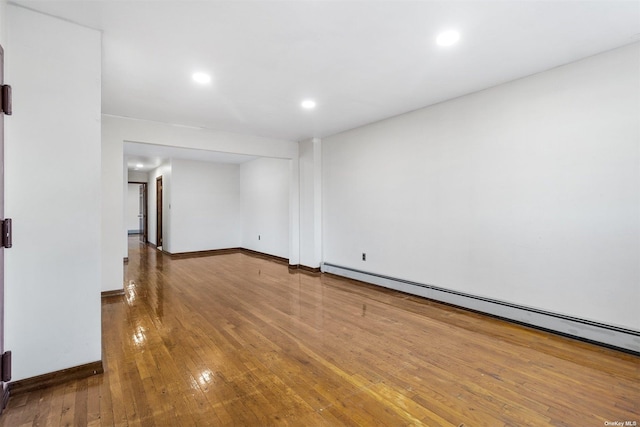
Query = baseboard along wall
x=607 y=335
x=55 y=378
x=610 y=336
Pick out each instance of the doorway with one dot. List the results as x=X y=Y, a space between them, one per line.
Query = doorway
x=159 y=212
x=137 y=221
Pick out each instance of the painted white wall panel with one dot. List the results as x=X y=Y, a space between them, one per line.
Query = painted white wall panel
x=113 y=213
x=53 y=174
x=311 y=203
x=133 y=207
x=137 y=176
x=308 y=256
x=205 y=206
x=264 y=194
x=3 y=24
x=117 y=130
x=528 y=192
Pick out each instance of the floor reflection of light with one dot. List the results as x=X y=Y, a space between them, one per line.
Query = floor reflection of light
x=130 y=292
x=139 y=337
x=205 y=377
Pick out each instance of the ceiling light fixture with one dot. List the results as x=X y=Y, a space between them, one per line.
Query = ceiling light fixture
x=202 y=78
x=139 y=165
x=308 y=104
x=448 y=38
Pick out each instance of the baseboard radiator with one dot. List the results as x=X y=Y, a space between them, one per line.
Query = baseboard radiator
x=607 y=335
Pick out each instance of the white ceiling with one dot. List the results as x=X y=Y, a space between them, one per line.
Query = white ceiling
x=362 y=61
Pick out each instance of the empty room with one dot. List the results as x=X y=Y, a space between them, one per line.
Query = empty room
x=320 y=213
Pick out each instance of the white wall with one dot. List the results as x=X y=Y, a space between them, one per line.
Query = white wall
x=133 y=208
x=116 y=130
x=137 y=176
x=163 y=170
x=205 y=206
x=3 y=25
x=113 y=213
x=264 y=193
x=528 y=192
x=310 y=202
x=52 y=162
x=219 y=206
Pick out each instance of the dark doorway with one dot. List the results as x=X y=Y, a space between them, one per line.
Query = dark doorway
x=159 y=211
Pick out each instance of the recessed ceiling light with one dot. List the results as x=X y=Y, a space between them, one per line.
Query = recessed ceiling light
x=308 y=104
x=139 y=165
x=448 y=38
x=202 y=78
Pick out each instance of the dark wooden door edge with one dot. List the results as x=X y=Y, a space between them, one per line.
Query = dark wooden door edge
x=55 y=378
x=159 y=210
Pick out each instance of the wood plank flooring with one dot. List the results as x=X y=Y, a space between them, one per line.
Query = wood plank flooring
x=235 y=340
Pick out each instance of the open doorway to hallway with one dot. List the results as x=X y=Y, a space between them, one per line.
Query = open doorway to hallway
x=201 y=200
x=137 y=223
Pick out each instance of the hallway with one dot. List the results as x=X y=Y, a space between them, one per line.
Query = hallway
x=239 y=340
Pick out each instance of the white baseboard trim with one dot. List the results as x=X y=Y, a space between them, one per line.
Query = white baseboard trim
x=611 y=336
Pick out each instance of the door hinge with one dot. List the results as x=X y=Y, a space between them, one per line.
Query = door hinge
x=5 y=366
x=5 y=100
x=6 y=239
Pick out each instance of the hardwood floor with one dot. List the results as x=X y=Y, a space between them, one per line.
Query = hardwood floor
x=238 y=340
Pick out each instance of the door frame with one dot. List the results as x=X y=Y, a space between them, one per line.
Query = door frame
x=5 y=358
